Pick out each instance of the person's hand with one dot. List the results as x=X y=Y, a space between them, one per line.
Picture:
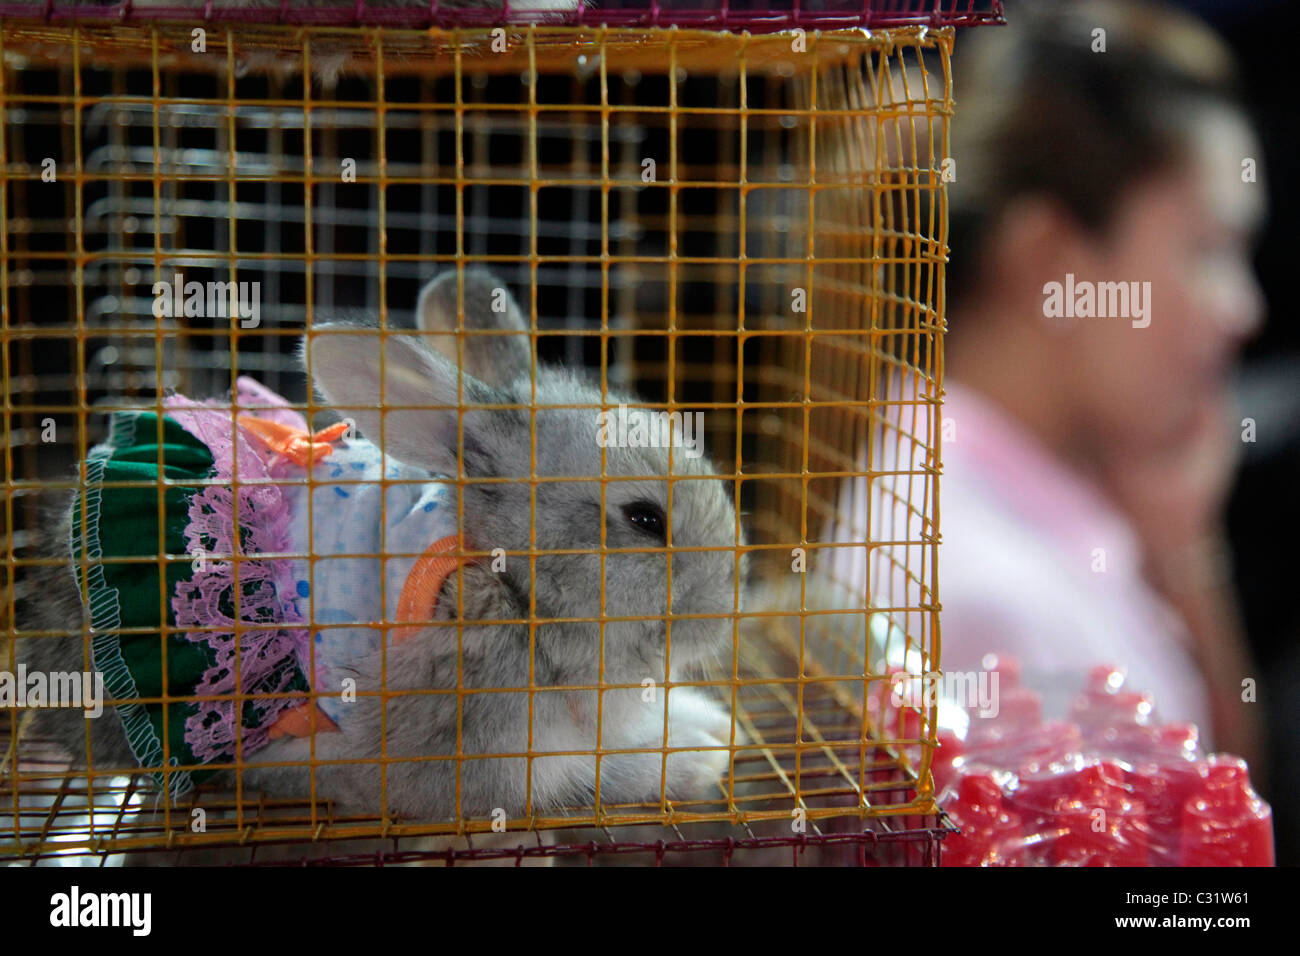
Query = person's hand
x=1175 y=496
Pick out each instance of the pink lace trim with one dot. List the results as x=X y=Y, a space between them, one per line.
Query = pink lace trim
x=269 y=644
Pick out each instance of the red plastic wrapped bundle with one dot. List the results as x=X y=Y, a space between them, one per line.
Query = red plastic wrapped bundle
x=1225 y=823
x=1111 y=786
x=1100 y=824
x=991 y=835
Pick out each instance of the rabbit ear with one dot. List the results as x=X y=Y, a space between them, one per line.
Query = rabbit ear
x=497 y=359
x=412 y=408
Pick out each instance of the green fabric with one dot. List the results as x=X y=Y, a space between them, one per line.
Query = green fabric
x=109 y=523
x=112 y=523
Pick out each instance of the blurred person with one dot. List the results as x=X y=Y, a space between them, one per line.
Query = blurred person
x=1084 y=494
x=1087 y=459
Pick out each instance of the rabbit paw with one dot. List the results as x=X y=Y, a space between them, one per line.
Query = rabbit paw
x=693 y=774
x=688 y=709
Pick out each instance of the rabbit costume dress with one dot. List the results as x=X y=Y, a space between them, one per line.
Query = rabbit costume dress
x=382 y=535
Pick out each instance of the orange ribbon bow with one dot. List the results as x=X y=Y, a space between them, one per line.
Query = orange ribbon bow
x=299 y=446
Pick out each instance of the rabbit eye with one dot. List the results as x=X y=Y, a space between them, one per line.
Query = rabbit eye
x=647 y=516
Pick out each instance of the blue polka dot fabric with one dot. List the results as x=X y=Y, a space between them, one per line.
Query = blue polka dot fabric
x=366 y=522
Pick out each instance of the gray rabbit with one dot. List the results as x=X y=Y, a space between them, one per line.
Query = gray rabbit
x=523 y=635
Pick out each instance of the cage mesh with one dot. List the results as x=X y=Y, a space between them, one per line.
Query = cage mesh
x=781 y=271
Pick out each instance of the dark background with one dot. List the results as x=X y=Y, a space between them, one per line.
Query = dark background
x=1264 y=515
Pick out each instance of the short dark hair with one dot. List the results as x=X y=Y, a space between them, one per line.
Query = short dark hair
x=1038 y=112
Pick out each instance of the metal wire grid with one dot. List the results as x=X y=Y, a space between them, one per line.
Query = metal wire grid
x=60 y=820
x=876 y=301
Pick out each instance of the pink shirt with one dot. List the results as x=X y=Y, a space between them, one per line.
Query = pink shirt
x=1024 y=543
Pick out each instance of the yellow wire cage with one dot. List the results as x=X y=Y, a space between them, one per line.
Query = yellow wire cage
x=748 y=226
